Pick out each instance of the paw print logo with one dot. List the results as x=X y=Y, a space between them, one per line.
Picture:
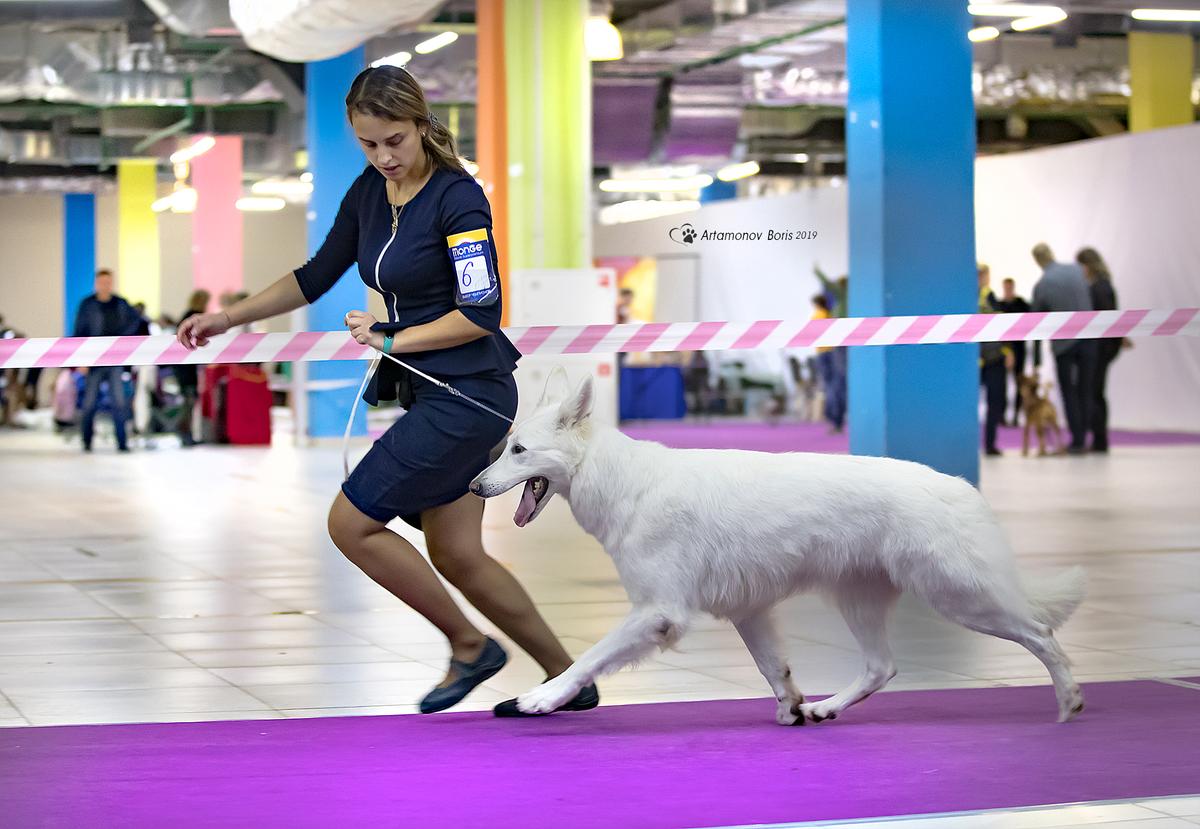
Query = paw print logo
x=685 y=234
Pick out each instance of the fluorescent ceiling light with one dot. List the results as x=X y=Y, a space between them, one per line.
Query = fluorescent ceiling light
x=252 y=204
x=1027 y=23
x=602 y=39
x=306 y=177
x=1011 y=10
x=198 y=147
x=181 y=200
x=397 y=59
x=1168 y=15
x=281 y=187
x=736 y=171
x=655 y=185
x=636 y=211
x=983 y=33
x=436 y=42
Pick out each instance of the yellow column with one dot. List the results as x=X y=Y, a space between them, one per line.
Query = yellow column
x=138 y=278
x=1160 y=69
x=549 y=105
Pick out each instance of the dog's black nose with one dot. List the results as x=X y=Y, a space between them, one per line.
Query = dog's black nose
x=476 y=487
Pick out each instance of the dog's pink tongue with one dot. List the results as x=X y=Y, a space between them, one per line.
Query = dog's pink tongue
x=526 y=507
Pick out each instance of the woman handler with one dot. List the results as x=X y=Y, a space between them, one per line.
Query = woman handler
x=419 y=228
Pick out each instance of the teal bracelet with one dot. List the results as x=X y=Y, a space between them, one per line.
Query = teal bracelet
x=387 y=344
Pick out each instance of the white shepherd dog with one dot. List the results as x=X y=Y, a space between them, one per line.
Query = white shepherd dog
x=732 y=533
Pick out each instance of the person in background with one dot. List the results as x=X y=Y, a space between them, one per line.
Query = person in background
x=625 y=306
x=187 y=375
x=987 y=297
x=833 y=373
x=994 y=361
x=105 y=314
x=836 y=293
x=1063 y=287
x=1010 y=303
x=1104 y=298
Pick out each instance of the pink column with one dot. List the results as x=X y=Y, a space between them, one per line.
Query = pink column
x=217 y=223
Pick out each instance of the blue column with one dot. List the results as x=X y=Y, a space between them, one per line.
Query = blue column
x=335 y=161
x=718 y=191
x=910 y=136
x=79 y=253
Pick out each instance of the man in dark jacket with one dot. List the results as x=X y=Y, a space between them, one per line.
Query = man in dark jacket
x=1010 y=303
x=1064 y=288
x=104 y=314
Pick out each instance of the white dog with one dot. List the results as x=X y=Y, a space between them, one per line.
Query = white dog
x=732 y=533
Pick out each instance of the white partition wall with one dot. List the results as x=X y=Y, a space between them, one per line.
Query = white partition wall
x=585 y=296
x=1134 y=199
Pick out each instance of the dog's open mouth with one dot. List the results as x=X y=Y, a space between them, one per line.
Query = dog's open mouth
x=535 y=490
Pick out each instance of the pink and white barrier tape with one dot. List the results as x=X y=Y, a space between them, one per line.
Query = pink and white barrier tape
x=609 y=339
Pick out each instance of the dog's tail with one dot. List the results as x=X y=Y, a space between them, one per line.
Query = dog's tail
x=1054 y=598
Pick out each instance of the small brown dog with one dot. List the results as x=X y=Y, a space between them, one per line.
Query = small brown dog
x=1039 y=414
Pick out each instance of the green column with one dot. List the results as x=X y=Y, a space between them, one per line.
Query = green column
x=549 y=133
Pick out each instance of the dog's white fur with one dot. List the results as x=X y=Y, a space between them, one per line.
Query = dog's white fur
x=732 y=533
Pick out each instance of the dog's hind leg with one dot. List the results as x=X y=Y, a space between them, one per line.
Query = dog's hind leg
x=987 y=613
x=759 y=634
x=865 y=605
x=644 y=629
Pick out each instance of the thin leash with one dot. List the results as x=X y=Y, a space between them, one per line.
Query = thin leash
x=366 y=379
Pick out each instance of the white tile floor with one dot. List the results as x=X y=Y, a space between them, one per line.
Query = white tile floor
x=170 y=586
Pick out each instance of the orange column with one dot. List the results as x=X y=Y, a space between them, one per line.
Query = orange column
x=491 y=125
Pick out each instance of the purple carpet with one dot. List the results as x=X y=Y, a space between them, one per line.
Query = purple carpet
x=658 y=766
x=814 y=437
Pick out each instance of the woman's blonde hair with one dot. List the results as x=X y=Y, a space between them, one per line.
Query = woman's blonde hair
x=393 y=94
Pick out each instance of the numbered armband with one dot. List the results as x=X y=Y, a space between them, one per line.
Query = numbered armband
x=476 y=282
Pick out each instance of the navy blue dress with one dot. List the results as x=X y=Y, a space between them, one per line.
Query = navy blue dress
x=441 y=257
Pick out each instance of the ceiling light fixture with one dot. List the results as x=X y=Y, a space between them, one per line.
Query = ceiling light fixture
x=262 y=204
x=602 y=39
x=738 y=171
x=281 y=187
x=1024 y=24
x=656 y=185
x=1011 y=10
x=1167 y=15
x=983 y=33
x=400 y=59
x=198 y=147
x=436 y=42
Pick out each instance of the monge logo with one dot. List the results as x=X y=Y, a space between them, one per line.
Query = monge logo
x=468 y=249
x=685 y=234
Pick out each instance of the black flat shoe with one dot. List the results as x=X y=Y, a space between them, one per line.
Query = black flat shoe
x=489 y=663
x=587 y=699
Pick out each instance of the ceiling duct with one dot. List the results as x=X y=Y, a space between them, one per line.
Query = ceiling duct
x=102 y=69
x=309 y=30
x=197 y=18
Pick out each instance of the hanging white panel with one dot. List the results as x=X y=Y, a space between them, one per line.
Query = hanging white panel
x=306 y=30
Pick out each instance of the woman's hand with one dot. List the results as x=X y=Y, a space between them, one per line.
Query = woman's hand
x=195 y=330
x=359 y=323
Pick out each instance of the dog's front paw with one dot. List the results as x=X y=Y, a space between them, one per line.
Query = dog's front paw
x=788 y=712
x=546 y=698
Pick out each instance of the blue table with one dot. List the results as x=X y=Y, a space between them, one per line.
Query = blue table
x=651 y=393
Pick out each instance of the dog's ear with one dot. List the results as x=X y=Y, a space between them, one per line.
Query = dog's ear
x=558 y=388
x=576 y=408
